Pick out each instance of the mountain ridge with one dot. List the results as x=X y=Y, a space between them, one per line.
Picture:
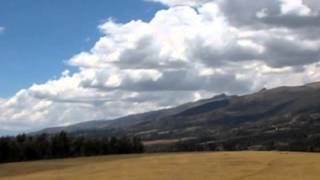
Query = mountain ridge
x=125 y=119
x=270 y=116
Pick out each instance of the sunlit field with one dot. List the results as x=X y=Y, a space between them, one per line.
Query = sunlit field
x=217 y=166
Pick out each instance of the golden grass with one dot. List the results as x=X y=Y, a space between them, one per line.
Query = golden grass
x=177 y=166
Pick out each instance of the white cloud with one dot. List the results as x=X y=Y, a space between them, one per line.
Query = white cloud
x=294 y=7
x=182 y=54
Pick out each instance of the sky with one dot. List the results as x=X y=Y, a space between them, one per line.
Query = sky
x=64 y=62
x=38 y=36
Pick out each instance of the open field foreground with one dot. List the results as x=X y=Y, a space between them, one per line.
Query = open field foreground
x=184 y=166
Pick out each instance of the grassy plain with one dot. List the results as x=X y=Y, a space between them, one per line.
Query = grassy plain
x=175 y=166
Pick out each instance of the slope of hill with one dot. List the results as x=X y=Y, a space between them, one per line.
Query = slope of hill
x=282 y=118
x=130 y=120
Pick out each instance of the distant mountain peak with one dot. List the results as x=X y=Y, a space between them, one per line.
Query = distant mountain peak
x=263 y=90
x=223 y=95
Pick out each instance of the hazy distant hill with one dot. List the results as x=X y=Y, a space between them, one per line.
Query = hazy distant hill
x=284 y=117
x=131 y=120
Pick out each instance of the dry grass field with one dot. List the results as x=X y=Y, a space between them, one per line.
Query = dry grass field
x=177 y=166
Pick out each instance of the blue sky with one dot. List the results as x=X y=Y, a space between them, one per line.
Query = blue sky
x=150 y=57
x=40 y=35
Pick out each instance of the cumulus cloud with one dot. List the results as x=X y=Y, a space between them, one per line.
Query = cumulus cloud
x=191 y=50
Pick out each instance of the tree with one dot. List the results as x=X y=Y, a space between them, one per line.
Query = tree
x=61 y=145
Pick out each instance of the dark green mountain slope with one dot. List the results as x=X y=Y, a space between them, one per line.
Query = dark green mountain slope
x=285 y=118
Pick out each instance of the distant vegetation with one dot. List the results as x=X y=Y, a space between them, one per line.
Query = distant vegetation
x=295 y=140
x=24 y=148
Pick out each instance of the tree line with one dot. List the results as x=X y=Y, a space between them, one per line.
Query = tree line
x=24 y=148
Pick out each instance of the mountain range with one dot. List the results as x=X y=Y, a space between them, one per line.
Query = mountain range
x=284 y=118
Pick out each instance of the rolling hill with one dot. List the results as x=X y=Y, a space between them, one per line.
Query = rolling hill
x=284 y=118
